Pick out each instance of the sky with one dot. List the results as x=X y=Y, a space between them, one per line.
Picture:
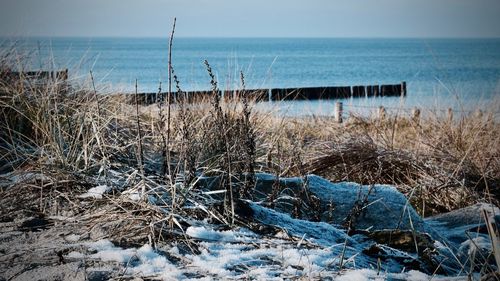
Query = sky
x=251 y=18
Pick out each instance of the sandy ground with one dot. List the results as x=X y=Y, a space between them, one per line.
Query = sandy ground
x=70 y=244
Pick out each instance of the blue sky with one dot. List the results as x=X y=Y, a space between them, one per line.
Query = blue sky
x=256 y=18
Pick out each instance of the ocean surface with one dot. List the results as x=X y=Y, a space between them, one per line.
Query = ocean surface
x=460 y=73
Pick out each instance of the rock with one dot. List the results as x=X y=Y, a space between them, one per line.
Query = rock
x=321 y=233
x=454 y=224
x=98 y=275
x=408 y=241
x=386 y=254
x=493 y=276
x=463 y=235
x=34 y=224
x=376 y=218
x=380 y=207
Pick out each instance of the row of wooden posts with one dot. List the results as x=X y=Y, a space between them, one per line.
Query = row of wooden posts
x=277 y=94
x=258 y=95
x=30 y=79
x=382 y=113
x=285 y=94
x=37 y=75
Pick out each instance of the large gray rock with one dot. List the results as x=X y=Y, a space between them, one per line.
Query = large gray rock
x=375 y=219
x=462 y=233
x=376 y=207
x=455 y=224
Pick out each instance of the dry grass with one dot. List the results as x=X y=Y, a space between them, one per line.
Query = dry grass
x=81 y=138
x=445 y=165
x=57 y=141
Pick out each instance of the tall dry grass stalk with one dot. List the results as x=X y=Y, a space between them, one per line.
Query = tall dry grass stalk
x=169 y=98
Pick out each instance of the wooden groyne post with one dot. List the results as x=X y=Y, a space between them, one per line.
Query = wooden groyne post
x=38 y=75
x=338 y=112
x=292 y=94
x=59 y=79
x=358 y=91
x=415 y=112
x=381 y=112
x=449 y=115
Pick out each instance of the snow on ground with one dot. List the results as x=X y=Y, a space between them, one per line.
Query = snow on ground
x=271 y=259
x=139 y=262
x=106 y=251
x=133 y=195
x=292 y=249
x=300 y=248
x=206 y=233
x=72 y=238
x=477 y=243
x=303 y=249
x=96 y=192
x=373 y=275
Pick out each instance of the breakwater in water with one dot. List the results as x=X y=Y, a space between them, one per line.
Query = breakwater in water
x=280 y=94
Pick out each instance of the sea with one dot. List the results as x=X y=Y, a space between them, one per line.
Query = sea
x=462 y=74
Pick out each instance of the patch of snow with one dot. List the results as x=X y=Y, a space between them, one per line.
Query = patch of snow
x=261 y=273
x=237 y=254
x=270 y=259
x=62 y=218
x=412 y=275
x=359 y=275
x=151 y=263
x=205 y=233
x=72 y=238
x=96 y=192
x=75 y=255
x=106 y=251
x=132 y=194
x=140 y=262
x=476 y=244
x=174 y=250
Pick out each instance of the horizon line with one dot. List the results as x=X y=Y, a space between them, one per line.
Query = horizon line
x=242 y=37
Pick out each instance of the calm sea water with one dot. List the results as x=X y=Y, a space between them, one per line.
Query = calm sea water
x=440 y=73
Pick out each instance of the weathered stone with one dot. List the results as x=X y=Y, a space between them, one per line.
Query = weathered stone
x=380 y=206
x=407 y=241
